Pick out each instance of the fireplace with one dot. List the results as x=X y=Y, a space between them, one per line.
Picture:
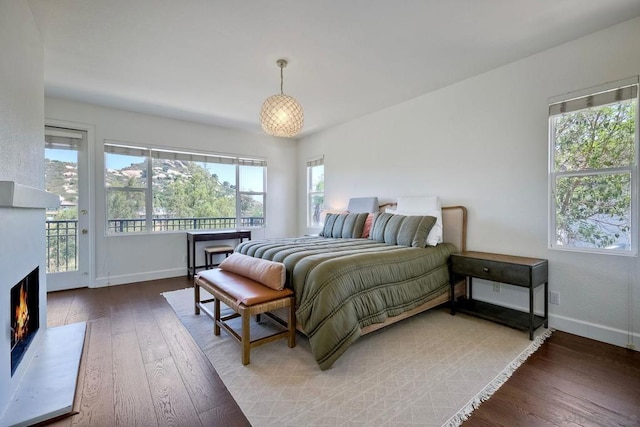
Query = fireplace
x=24 y=316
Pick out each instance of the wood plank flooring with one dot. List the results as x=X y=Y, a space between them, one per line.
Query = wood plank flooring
x=569 y=381
x=141 y=367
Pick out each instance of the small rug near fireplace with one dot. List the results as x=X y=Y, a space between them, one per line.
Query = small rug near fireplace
x=429 y=370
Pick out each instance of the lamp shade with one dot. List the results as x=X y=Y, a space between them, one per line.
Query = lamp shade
x=281 y=115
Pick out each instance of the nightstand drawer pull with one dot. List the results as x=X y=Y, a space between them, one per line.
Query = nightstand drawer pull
x=485 y=269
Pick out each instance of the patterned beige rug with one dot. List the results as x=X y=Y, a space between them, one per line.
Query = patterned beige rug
x=429 y=370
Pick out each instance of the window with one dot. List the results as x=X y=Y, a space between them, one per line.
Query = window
x=593 y=176
x=150 y=189
x=315 y=192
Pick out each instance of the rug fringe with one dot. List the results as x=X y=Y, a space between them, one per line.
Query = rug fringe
x=464 y=413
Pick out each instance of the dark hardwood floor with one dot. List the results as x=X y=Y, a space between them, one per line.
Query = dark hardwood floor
x=141 y=367
x=569 y=381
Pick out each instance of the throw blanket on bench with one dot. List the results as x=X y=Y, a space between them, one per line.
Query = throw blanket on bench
x=343 y=285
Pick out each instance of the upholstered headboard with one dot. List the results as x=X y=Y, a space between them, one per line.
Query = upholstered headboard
x=454 y=226
x=363 y=204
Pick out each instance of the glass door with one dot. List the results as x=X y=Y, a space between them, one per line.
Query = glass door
x=67 y=232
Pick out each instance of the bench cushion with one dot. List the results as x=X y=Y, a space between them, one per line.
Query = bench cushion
x=269 y=273
x=243 y=289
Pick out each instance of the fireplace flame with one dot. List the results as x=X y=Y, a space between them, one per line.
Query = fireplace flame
x=22 y=316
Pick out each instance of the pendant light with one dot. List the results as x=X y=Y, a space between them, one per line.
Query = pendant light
x=281 y=114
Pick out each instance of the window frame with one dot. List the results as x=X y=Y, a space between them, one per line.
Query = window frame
x=556 y=107
x=151 y=153
x=240 y=193
x=319 y=161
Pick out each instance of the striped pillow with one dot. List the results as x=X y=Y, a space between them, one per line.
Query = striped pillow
x=345 y=226
x=402 y=230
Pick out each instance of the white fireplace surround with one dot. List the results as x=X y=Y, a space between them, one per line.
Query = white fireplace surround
x=45 y=383
x=14 y=195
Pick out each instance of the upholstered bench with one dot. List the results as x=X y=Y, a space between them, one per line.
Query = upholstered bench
x=210 y=251
x=249 y=286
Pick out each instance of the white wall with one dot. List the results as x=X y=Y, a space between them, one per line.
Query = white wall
x=22 y=161
x=130 y=258
x=483 y=143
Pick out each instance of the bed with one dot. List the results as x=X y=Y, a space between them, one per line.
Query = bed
x=347 y=286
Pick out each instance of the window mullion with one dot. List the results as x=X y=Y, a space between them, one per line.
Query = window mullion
x=149 y=194
x=238 y=198
x=593 y=172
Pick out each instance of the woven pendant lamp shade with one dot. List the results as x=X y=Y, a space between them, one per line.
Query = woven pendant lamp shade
x=281 y=115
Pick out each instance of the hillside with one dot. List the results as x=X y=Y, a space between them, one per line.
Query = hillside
x=179 y=187
x=62 y=179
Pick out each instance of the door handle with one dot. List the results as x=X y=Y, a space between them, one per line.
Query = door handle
x=85 y=231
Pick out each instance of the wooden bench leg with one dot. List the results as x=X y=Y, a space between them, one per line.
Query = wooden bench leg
x=246 y=337
x=292 y=323
x=196 y=297
x=216 y=317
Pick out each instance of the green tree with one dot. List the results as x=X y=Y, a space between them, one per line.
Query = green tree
x=199 y=195
x=67 y=214
x=124 y=204
x=125 y=198
x=250 y=207
x=594 y=208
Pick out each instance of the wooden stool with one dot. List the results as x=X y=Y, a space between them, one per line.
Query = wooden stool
x=245 y=297
x=210 y=251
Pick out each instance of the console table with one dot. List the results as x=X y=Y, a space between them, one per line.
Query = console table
x=512 y=270
x=202 y=236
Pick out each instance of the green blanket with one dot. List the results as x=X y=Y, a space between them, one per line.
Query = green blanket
x=343 y=285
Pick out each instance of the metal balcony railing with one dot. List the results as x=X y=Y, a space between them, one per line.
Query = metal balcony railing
x=62 y=245
x=62 y=235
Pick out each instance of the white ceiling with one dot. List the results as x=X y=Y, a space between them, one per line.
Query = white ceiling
x=214 y=61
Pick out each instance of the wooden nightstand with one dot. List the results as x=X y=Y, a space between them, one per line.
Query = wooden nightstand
x=512 y=270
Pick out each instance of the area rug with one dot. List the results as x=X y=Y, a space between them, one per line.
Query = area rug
x=432 y=369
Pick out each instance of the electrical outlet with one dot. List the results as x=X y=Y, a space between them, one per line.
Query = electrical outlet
x=496 y=287
x=554 y=298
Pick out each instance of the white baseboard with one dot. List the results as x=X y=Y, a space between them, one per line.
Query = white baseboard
x=101 y=282
x=594 y=331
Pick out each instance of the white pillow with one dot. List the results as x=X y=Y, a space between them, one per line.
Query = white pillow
x=423 y=205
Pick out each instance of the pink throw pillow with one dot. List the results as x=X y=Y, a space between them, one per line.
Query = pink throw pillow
x=367 y=226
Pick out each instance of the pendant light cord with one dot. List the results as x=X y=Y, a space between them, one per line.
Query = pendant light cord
x=281 y=80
